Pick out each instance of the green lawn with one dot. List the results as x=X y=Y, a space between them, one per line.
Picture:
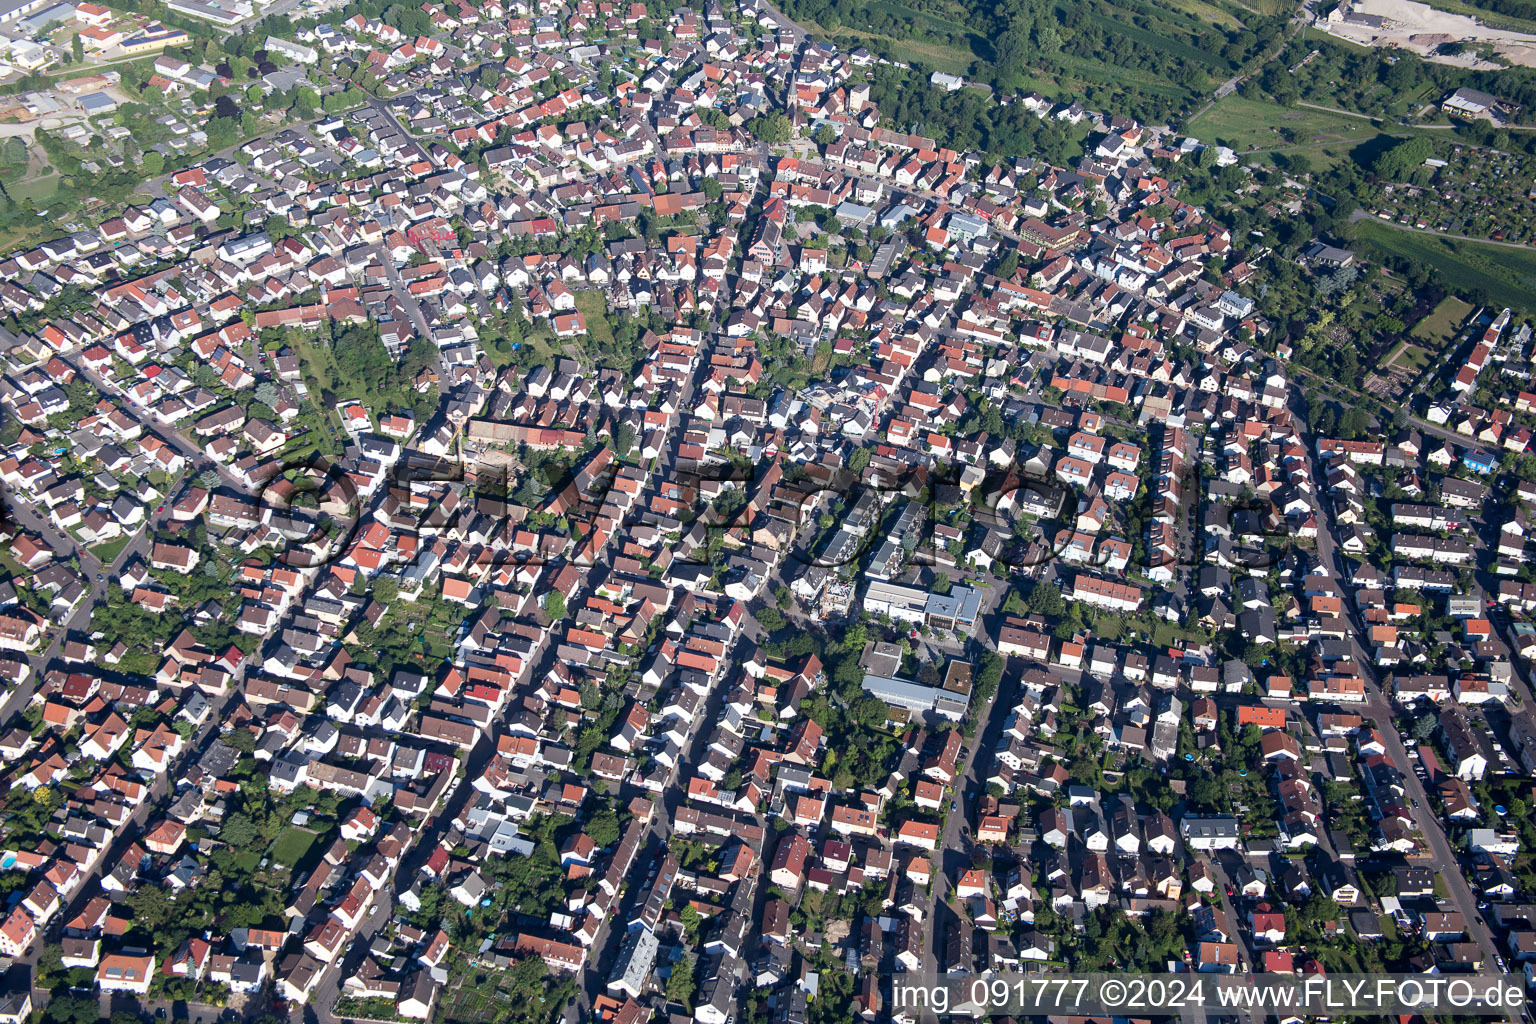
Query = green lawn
x=107 y=553
x=1414 y=358
x=1507 y=275
x=316 y=364
x=290 y=847
x=1443 y=321
x=15 y=568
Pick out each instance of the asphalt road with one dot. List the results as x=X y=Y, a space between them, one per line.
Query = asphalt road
x=198 y=458
x=1379 y=708
x=159 y=797
x=90 y=567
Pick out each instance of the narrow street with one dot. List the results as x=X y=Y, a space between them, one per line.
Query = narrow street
x=956 y=841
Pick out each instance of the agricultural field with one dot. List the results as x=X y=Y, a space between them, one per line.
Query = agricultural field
x=1264 y=8
x=1225 y=15
x=1506 y=275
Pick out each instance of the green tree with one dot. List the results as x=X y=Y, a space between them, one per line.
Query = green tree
x=681 y=984
x=239 y=830
x=554 y=605
x=624 y=439
x=71 y=1009
x=689 y=916
x=989 y=674
x=774 y=129
x=603 y=827
x=1397 y=162
x=151 y=905
x=770 y=619
x=1045 y=599
x=1205 y=792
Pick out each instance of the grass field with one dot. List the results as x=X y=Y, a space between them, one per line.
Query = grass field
x=942 y=43
x=317 y=364
x=35 y=179
x=1507 y=275
x=1245 y=124
x=39 y=190
x=290 y=847
x=1442 y=322
x=594 y=308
